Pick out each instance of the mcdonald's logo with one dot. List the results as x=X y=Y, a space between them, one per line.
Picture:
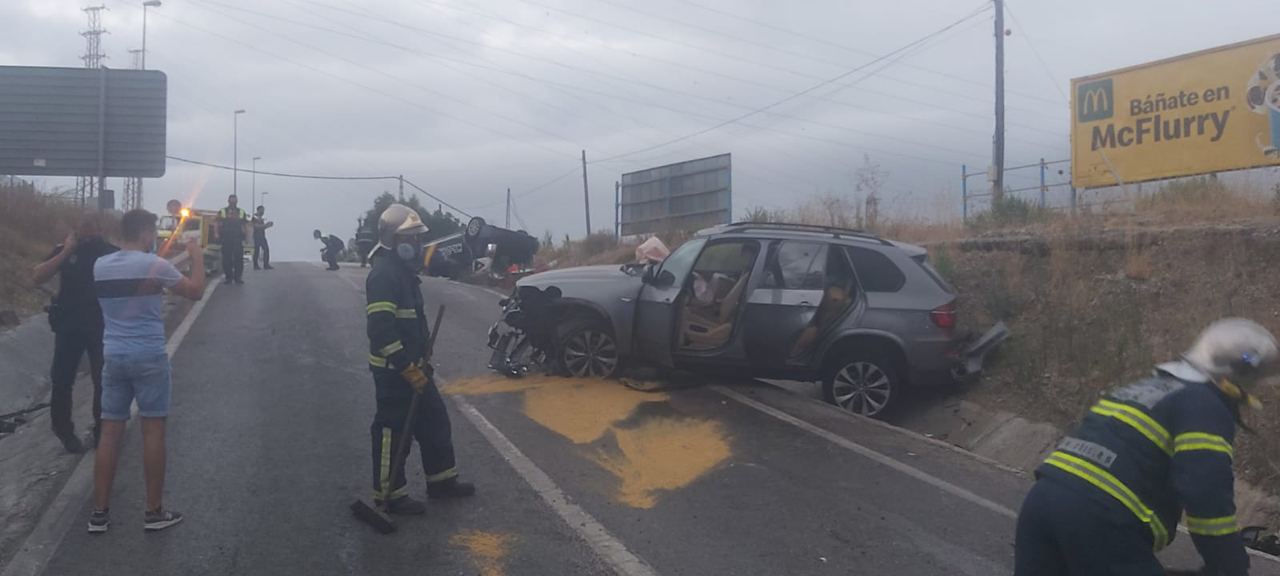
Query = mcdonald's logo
x=1094 y=101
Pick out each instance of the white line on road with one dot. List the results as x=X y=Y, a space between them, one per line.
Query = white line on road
x=60 y=516
x=852 y=446
x=605 y=545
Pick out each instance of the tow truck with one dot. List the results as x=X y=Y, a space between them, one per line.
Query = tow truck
x=189 y=223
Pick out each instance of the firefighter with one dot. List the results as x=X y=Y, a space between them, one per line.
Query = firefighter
x=233 y=225
x=333 y=246
x=1111 y=495
x=366 y=238
x=398 y=332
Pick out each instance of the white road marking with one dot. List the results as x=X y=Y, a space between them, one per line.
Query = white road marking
x=60 y=517
x=868 y=453
x=605 y=545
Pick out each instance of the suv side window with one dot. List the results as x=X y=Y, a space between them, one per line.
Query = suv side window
x=796 y=266
x=679 y=263
x=876 y=272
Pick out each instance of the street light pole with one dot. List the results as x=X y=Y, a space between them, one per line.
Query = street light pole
x=145 y=5
x=253 y=203
x=235 y=151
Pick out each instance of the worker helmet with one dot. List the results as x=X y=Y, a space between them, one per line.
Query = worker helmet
x=397 y=224
x=1237 y=349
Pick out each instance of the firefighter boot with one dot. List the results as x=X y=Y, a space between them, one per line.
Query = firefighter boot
x=449 y=489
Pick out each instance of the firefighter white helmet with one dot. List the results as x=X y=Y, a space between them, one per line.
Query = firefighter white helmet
x=1234 y=348
x=398 y=220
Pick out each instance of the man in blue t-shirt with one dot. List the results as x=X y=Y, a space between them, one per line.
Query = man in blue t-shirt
x=130 y=285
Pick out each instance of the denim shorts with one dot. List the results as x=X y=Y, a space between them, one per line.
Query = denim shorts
x=144 y=378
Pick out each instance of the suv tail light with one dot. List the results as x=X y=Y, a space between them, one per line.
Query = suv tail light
x=944 y=316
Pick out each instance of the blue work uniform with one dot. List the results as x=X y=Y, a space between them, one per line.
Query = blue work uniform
x=1113 y=491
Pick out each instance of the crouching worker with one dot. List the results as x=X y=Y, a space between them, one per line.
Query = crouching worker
x=1112 y=493
x=398 y=333
x=333 y=246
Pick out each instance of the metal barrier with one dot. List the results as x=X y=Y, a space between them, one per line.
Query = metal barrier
x=1043 y=187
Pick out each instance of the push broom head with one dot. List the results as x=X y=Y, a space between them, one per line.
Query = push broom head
x=372 y=516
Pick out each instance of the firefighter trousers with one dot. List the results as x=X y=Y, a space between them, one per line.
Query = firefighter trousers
x=1064 y=532
x=431 y=429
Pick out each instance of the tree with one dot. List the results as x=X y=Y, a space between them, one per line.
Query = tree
x=439 y=222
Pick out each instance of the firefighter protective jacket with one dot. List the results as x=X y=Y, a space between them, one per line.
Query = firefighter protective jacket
x=1160 y=447
x=397 y=326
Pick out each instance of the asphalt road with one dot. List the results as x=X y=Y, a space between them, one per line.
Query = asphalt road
x=269 y=441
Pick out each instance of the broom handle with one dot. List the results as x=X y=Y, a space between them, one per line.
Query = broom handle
x=402 y=447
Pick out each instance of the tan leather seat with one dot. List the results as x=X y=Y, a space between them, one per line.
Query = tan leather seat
x=703 y=331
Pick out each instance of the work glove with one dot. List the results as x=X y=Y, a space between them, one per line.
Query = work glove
x=418 y=376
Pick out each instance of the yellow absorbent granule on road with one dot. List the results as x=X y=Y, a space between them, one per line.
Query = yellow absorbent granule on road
x=583 y=410
x=663 y=454
x=488 y=550
x=494 y=384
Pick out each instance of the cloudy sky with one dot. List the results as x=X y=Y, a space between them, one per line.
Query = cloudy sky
x=467 y=98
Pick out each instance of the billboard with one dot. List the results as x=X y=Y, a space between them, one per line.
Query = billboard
x=683 y=196
x=1203 y=112
x=74 y=121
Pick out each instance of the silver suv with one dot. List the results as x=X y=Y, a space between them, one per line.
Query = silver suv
x=864 y=315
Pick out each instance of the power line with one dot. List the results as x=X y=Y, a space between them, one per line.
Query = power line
x=805 y=91
x=437 y=198
x=376 y=70
x=813 y=38
x=280 y=174
x=641 y=82
x=1044 y=66
x=360 y=85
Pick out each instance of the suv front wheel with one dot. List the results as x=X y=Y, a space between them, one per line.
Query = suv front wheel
x=861 y=383
x=587 y=349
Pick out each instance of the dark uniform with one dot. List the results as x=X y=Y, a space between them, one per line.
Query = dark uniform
x=398 y=334
x=365 y=241
x=333 y=246
x=231 y=223
x=260 y=245
x=1112 y=493
x=76 y=320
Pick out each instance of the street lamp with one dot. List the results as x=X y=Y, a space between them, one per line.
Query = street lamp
x=145 y=5
x=235 y=151
x=253 y=203
x=264 y=199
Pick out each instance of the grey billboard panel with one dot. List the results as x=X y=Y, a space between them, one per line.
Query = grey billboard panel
x=53 y=120
x=682 y=196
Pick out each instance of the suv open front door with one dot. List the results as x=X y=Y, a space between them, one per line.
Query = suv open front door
x=656 y=304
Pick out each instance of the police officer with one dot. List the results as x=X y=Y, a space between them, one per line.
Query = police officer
x=398 y=332
x=233 y=224
x=77 y=324
x=1113 y=491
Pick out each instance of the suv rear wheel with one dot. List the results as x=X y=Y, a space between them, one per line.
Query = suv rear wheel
x=587 y=349
x=862 y=383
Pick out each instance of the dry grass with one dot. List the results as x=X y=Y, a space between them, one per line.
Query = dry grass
x=31 y=223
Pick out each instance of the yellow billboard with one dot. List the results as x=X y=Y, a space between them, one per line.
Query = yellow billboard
x=1203 y=112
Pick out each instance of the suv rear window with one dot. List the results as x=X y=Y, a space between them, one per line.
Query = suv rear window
x=876 y=272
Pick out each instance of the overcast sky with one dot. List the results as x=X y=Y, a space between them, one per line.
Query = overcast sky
x=469 y=97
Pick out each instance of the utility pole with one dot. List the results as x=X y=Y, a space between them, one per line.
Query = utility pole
x=997 y=141
x=253 y=185
x=617 y=209
x=93 y=57
x=586 y=198
x=235 y=152
x=401 y=179
x=508 y=223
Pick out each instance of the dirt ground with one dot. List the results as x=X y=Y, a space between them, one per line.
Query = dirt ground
x=1091 y=310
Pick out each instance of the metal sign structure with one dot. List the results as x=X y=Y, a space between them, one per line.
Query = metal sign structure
x=82 y=122
x=1209 y=111
x=684 y=196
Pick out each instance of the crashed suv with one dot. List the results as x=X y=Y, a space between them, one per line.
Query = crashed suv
x=864 y=315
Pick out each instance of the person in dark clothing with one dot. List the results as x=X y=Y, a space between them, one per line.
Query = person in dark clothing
x=77 y=324
x=333 y=247
x=1146 y=454
x=366 y=239
x=230 y=232
x=398 y=333
x=260 y=246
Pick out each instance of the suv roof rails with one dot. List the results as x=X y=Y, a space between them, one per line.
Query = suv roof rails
x=835 y=232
